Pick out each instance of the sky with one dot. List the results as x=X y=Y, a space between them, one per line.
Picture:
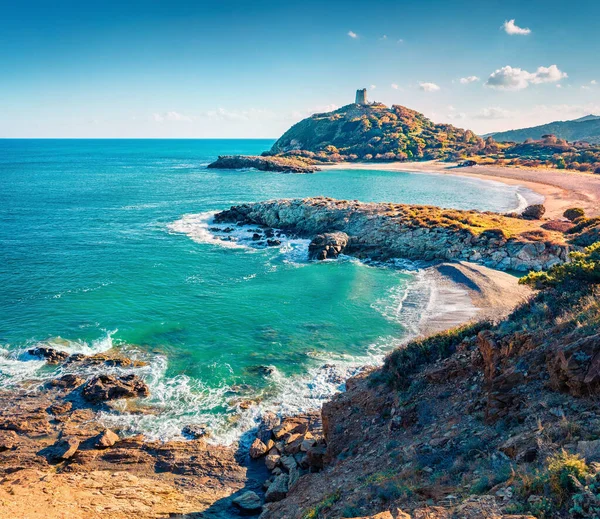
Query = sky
x=244 y=69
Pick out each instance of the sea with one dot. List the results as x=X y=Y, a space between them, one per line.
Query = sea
x=110 y=244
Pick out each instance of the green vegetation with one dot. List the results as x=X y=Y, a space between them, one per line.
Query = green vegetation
x=404 y=362
x=378 y=133
x=584 y=267
x=375 y=132
x=563 y=470
x=316 y=512
x=583 y=129
x=574 y=213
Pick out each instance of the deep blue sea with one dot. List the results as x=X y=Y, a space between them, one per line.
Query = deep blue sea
x=107 y=243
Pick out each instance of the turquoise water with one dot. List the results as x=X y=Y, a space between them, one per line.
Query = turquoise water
x=106 y=243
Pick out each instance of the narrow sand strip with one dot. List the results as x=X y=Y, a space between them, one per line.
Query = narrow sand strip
x=561 y=189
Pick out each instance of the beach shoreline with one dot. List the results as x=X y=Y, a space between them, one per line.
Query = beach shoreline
x=560 y=189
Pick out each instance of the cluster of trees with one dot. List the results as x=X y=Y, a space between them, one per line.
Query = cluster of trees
x=554 y=152
x=378 y=133
x=375 y=132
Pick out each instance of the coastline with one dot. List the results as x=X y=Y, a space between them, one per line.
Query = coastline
x=561 y=189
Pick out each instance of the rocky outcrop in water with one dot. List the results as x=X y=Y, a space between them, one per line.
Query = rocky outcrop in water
x=280 y=164
x=382 y=231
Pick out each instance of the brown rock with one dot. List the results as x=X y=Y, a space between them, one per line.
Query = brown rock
x=67 y=381
x=60 y=408
x=51 y=355
x=107 y=439
x=272 y=459
x=257 y=449
x=8 y=440
x=63 y=449
x=575 y=367
x=109 y=387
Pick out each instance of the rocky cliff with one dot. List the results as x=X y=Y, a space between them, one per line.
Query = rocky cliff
x=494 y=421
x=383 y=231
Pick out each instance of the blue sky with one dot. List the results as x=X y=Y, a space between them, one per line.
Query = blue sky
x=251 y=69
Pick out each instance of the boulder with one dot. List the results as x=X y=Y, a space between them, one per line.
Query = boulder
x=110 y=387
x=272 y=459
x=60 y=408
x=278 y=489
x=316 y=457
x=248 y=503
x=257 y=449
x=51 y=355
x=195 y=431
x=328 y=245
x=67 y=381
x=533 y=212
x=268 y=422
x=8 y=440
x=107 y=439
x=63 y=449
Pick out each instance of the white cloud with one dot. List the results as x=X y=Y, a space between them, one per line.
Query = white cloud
x=352 y=34
x=509 y=78
x=171 y=116
x=493 y=113
x=468 y=79
x=457 y=116
x=510 y=27
x=395 y=86
x=400 y=41
x=593 y=82
x=373 y=87
x=559 y=86
x=429 y=87
x=550 y=74
x=384 y=37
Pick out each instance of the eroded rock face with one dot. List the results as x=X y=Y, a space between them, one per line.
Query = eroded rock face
x=109 y=387
x=327 y=246
x=575 y=367
x=383 y=231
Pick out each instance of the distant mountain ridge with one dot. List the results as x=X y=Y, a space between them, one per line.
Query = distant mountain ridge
x=585 y=128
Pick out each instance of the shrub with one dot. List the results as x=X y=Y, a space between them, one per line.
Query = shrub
x=403 y=362
x=573 y=213
x=584 y=267
x=562 y=469
x=534 y=212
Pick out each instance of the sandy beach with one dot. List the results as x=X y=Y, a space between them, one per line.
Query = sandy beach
x=561 y=189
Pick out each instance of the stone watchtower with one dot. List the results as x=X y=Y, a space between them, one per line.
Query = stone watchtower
x=361 y=96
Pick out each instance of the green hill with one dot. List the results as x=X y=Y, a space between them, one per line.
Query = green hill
x=375 y=132
x=584 y=129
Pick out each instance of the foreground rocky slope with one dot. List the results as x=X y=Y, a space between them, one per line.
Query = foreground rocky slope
x=383 y=231
x=486 y=421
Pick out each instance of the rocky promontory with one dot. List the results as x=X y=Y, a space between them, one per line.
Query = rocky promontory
x=280 y=164
x=382 y=231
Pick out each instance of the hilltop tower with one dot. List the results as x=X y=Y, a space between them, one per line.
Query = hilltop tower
x=361 y=96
